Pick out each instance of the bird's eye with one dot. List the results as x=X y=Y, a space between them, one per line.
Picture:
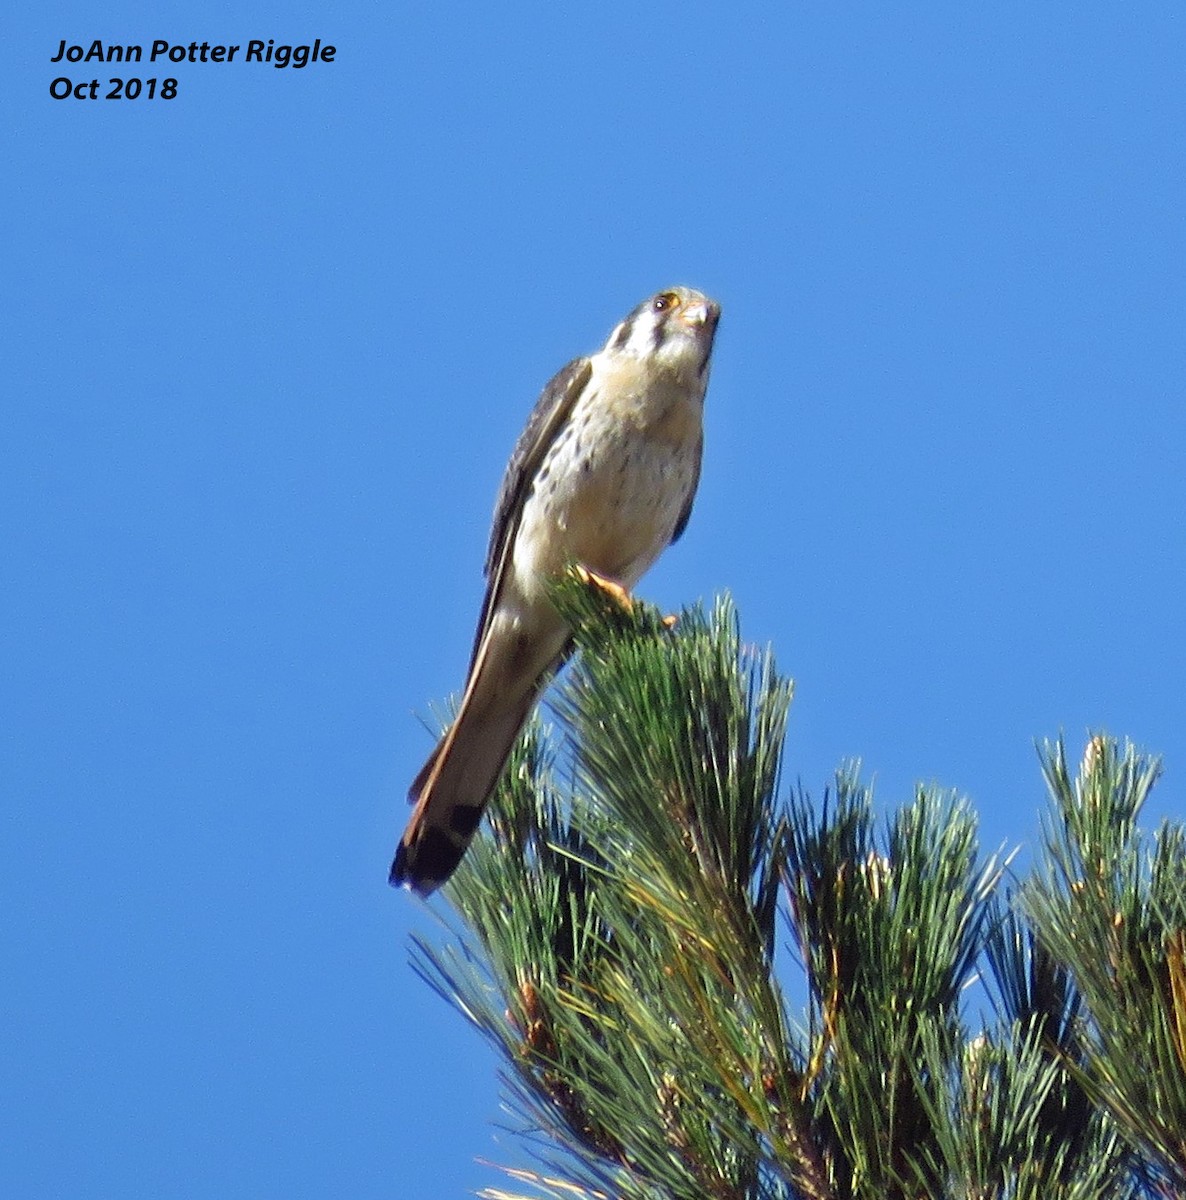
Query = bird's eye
x=665 y=301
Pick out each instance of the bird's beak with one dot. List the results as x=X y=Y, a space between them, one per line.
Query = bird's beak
x=702 y=315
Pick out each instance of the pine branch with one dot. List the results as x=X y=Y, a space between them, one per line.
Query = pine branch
x=621 y=947
x=889 y=935
x=1114 y=912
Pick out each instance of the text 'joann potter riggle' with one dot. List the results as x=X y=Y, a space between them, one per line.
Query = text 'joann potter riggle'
x=196 y=52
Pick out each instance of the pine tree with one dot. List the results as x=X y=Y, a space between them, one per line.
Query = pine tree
x=703 y=991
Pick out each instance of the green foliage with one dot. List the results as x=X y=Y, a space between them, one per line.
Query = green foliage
x=641 y=909
x=1113 y=909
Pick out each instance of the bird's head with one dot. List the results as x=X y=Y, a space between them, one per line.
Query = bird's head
x=675 y=327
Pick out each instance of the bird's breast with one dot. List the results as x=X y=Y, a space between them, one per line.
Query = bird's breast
x=614 y=483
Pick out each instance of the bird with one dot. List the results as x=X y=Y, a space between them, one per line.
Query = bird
x=601 y=480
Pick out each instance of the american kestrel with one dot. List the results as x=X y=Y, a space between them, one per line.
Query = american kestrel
x=602 y=478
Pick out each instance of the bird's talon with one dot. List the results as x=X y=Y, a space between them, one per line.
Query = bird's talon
x=615 y=591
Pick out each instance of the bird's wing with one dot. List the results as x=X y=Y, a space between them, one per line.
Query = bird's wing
x=686 y=515
x=551 y=410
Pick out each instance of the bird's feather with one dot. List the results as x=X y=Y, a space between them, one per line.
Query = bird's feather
x=686 y=515
x=551 y=410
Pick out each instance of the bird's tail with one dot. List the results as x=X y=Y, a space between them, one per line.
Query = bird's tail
x=452 y=790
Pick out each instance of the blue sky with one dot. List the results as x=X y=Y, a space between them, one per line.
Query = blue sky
x=268 y=346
